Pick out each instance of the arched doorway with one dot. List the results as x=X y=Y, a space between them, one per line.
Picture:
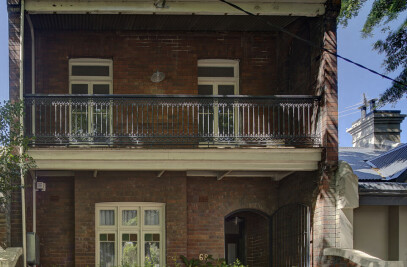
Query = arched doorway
x=247 y=237
x=291 y=236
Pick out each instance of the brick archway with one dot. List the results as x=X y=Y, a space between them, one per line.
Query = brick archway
x=247 y=237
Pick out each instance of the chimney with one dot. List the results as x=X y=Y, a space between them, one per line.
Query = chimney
x=379 y=129
x=372 y=104
x=363 y=111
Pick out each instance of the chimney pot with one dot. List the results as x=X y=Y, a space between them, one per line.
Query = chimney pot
x=363 y=112
x=372 y=104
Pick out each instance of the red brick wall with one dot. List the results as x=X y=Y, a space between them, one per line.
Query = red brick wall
x=14 y=85
x=195 y=210
x=57 y=233
x=327 y=86
x=324 y=220
x=4 y=228
x=14 y=52
x=209 y=201
x=257 y=239
x=128 y=187
x=270 y=63
x=55 y=220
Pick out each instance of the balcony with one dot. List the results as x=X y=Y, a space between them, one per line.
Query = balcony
x=172 y=120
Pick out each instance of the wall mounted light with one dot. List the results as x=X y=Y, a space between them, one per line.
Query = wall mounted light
x=157 y=76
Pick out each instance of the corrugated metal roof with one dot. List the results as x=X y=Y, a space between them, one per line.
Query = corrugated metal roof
x=126 y=22
x=389 y=187
x=392 y=163
x=357 y=157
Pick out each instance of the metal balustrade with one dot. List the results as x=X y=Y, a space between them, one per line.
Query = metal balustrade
x=197 y=120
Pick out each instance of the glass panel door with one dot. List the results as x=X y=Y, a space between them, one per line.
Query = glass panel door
x=79 y=110
x=206 y=110
x=101 y=110
x=226 y=114
x=107 y=249
x=152 y=249
x=129 y=249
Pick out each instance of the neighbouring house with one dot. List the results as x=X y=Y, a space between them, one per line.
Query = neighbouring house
x=377 y=221
x=168 y=128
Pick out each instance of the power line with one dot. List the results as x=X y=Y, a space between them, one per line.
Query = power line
x=344 y=111
x=357 y=104
x=345 y=115
x=312 y=44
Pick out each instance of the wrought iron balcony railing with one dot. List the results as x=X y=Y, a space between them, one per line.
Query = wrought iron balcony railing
x=197 y=120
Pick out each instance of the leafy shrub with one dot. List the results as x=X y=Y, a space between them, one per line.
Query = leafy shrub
x=209 y=262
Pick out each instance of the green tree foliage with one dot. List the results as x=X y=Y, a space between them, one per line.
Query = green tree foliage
x=12 y=163
x=209 y=262
x=394 y=46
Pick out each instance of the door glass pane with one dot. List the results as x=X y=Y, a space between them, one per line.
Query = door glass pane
x=129 y=217
x=79 y=89
x=152 y=250
x=101 y=89
x=225 y=115
x=216 y=72
x=129 y=250
x=226 y=124
x=80 y=117
x=151 y=217
x=205 y=89
x=107 y=251
x=101 y=117
x=205 y=125
x=80 y=112
x=107 y=217
x=78 y=70
x=226 y=90
x=205 y=120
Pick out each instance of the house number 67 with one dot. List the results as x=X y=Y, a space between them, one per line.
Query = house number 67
x=203 y=257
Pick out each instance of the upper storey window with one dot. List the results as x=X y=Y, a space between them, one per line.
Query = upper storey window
x=218 y=77
x=90 y=77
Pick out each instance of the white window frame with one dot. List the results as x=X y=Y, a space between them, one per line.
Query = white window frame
x=90 y=81
x=140 y=229
x=216 y=81
x=221 y=63
x=90 y=62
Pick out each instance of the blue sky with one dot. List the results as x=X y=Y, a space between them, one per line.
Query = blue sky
x=353 y=81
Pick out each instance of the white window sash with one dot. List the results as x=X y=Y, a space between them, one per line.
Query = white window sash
x=140 y=229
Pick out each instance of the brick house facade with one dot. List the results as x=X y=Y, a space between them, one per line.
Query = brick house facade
x=229 y=195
